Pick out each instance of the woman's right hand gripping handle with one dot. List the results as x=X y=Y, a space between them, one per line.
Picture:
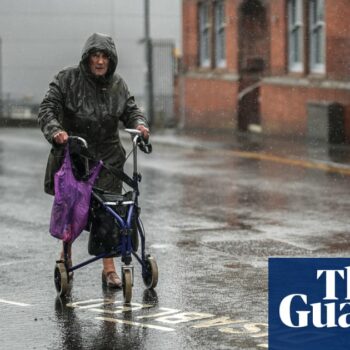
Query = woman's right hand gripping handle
x=60 y=137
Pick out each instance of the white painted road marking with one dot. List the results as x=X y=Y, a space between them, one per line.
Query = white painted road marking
x=138 y=324
x=90 y=303
x=164 y=313
x=240 y=328
x=221 y=321
x=8 y=263
x=183 y=317
x=13 y=303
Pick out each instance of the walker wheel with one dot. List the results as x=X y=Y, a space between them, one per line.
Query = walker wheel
x=151 y=278
x=61 y=278
x=127 y=285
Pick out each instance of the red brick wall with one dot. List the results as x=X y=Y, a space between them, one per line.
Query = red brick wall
x=231 y=35
x=190 y=33
x=210 y=103
x=278 y=43
x=284 y=108
x=338 y=39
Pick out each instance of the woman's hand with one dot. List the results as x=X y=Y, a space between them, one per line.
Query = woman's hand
x=60 y=137
x=144 y=131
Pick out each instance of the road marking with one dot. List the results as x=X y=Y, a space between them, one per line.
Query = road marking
x=225 y=325
x=138 y=324
x=122 y=309
x=91 y=306
x=13 y=303
x=344 y=170
x=183 y=317
x=165 y=313
x=90 y=303
x=255 y=330
x=221 y=321
x=8 y=263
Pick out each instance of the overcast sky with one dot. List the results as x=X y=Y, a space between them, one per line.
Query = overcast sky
x=39 y=37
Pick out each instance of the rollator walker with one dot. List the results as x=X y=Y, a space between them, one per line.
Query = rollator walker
x=124 y=230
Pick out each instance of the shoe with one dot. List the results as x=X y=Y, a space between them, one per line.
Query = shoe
x=111 y=280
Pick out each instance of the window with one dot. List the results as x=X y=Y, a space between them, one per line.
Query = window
x=220 y=47
x=295 y=36
x=317 y=36
x=212 y=36
x=204 y=35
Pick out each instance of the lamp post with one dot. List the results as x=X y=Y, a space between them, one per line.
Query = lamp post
x=1 y=97
x=149 y=64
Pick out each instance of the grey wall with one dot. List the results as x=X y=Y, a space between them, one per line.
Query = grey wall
x=39 y=37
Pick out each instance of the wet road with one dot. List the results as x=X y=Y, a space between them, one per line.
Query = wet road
x=212 y=220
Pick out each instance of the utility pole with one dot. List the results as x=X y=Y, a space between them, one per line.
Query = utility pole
x=149 y=63
x=112 y=20
x=1 y=97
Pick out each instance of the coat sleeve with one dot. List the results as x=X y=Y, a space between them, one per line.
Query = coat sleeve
x=51 y=110
x=132 y=115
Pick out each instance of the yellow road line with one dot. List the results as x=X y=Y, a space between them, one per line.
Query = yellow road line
x=293 y=162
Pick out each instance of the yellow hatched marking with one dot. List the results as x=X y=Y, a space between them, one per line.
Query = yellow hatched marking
x=294 y=162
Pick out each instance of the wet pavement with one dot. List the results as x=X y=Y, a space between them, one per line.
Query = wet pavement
x=308 y=150
x=215 y=209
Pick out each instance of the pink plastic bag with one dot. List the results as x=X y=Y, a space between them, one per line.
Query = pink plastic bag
x=70 y=210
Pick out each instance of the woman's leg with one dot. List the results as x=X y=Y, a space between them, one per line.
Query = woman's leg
x=108 y=265
x=109 y=182
x=69 y=251
x=69 y=255
x=109 y=276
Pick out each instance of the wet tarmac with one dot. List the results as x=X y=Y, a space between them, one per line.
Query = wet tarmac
x=212 y=217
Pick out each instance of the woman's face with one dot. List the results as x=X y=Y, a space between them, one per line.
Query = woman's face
x=98 y=63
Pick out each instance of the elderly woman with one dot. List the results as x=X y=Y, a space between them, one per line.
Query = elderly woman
x=89 y=100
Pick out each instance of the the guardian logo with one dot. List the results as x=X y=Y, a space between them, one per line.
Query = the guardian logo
x=324 y=309
x=309 y=303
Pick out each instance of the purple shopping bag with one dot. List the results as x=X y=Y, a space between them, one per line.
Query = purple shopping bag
x=70 y=210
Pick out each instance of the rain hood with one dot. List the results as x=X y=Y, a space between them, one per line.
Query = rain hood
x=99 y=42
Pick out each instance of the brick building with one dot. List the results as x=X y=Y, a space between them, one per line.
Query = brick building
x=262 y=64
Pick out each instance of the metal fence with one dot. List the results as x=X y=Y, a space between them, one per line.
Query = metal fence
x=163 y=82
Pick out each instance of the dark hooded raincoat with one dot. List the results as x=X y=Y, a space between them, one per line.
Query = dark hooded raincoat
x=85 y=105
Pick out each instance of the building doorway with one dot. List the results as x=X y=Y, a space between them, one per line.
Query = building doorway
x=253 y=61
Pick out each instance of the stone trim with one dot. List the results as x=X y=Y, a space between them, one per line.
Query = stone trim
x=212 y=75
x=308 y=83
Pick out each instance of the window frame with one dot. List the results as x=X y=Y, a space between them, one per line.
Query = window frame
x=220 y=34
x=295 y=36
x=317 y=37
x=204 y=28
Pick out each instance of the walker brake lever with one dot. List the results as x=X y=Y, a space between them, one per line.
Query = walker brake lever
x=145 y=146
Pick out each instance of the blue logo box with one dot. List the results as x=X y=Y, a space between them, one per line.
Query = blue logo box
x=309 y=303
